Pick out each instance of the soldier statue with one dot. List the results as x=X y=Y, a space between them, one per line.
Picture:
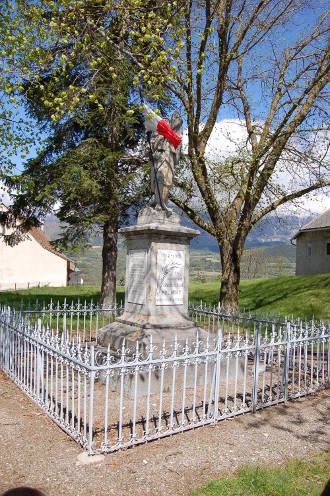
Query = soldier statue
x=165 y=157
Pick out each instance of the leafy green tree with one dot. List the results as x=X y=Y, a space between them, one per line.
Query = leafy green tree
x=85 y=169
x=85 y=172
x=39 y=37
x=69 y=62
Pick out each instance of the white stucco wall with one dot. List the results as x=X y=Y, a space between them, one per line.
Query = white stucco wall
x=28 y=263
x=311 y=254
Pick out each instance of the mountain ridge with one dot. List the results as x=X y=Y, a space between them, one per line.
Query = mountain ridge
x=270 y=231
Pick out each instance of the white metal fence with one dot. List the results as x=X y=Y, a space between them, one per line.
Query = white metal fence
x=112 y=399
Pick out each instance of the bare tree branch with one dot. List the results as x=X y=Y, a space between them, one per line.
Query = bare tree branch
x=287 y=198
x=192 y=214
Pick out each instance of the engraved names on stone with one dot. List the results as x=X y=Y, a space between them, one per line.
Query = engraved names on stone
x=137 y=264
x=170 y=277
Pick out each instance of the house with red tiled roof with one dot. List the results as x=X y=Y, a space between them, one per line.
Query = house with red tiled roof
x=313 y=246
x=32 y=262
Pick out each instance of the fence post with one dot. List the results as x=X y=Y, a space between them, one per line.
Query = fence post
x=6 y=359
x=255 y=376
x=286 y=365
x=217 y=375
x=10 y=343
x=38 y=358
x=1 y=337
x=3 y=334
x=3 y=341
x=91 y=403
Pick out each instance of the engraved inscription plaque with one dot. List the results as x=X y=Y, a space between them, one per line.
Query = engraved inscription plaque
x=170 y=277
x=137 y=264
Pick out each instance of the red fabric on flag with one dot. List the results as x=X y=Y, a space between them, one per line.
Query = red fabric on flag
x=165 y=130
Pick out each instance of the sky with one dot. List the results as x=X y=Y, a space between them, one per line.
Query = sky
x=227 y=134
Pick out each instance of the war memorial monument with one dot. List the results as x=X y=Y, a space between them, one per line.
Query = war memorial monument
x=157 y=263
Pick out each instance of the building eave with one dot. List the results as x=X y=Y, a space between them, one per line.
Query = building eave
x=301 y=231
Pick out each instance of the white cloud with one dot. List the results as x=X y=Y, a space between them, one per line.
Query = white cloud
x=229 y=135
x=226 y=137
x=317 y=204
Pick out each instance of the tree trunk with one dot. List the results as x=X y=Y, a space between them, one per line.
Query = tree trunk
x=109 y=261
x=231 y=273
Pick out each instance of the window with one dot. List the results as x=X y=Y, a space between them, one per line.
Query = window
x=328 y=248
x=309 y=250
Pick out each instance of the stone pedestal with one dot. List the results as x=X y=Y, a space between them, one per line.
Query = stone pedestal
x=156 y=299
x=157 y=278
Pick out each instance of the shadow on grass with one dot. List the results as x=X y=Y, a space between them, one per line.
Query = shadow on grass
x=300 y=296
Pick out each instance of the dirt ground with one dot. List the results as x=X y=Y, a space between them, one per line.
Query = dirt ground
x=35 y=452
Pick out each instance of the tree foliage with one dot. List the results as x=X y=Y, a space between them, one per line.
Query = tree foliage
x=88 y=112
x=39 y=37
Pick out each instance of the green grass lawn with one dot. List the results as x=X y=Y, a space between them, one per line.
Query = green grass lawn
x=298 y=478
x=302 y=296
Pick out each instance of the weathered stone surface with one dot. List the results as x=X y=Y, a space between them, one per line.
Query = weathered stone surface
x=165 y=158
x=183 y=372
x=114 y=334
x=157 y=258
x=157 y=278
x=137 y=266
x=150 y=215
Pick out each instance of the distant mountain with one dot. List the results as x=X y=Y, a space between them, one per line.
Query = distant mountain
x=270 y=231
x=53 y=228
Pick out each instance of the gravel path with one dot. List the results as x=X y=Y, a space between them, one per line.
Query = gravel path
x=34 y=451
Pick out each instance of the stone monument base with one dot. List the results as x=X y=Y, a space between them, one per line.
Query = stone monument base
x=157 y=278
x=118 y=332
x=156 y=215
x=114 y=334
x=156 y=307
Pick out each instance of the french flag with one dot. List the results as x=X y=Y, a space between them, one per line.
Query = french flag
x=154 y=123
